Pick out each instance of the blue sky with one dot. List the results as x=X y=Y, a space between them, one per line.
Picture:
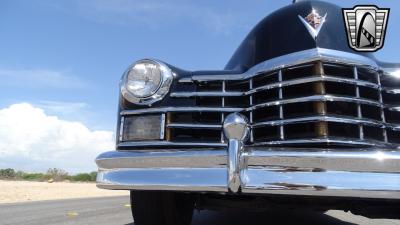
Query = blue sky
x=66 y=57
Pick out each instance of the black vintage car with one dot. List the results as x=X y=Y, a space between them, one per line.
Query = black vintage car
x=296 y=118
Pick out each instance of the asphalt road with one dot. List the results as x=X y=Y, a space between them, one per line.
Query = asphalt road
x=115 y=211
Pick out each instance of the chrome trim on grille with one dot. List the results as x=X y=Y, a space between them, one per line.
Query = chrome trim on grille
x=293 y=59
x=330 y=141
x=309 y=79
x=342 y=119
x=194 y=126
x=391 y=90
x=206 y=94
x=316 y=98
x=357 y=73
x=178 y=109
x=168 y=144
x=393 y=108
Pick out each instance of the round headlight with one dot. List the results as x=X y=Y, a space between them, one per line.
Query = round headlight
x=146 y=81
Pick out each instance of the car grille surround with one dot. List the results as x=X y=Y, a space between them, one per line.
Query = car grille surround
x=313 y=104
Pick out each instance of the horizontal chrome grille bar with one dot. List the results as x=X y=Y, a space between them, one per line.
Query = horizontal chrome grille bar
x=261 y=105
x=311 y=79
x=328 y=118
x=206 y=94
x=179 y=109
x=194 y=126
x=308 y=79
x=342 y=119
x=315 y=98
x=331 y=141
x=169 y=144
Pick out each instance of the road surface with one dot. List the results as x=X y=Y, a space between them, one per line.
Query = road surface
x=116 y=211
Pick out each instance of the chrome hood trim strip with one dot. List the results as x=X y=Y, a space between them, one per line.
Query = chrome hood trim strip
x=293 y=59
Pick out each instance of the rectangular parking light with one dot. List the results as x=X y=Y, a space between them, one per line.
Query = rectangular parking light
x=142 y=128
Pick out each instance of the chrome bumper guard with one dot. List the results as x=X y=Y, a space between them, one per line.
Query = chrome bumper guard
x=357 y=173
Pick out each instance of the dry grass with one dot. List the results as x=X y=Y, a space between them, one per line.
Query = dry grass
x=22 y=191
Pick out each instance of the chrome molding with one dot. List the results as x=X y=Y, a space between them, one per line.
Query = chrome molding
x=194 y=126
x=302 y=57
x=328 y=118
x=309 y=79
x=171 y=158
x=316 y=98
x=392 y=72
x=206 y=94
x=169 y=179
x=370 y=173
x=393 y=108
x=391 y=90
x=178 y=109
x=330 y=140
x=168 y=144
x=261 y=105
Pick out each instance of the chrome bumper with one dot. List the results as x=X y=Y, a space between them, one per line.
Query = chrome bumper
x=357 y=173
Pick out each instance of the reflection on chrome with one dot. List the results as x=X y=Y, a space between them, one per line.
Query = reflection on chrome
x=323 y=172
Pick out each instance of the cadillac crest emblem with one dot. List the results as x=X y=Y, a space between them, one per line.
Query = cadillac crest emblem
x=313 y=22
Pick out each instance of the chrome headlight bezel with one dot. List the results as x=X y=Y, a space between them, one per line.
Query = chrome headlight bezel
x=156 y=95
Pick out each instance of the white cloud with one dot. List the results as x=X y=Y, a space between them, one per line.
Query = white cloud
x=32 y=140
x=63 y=108
x=38 y=78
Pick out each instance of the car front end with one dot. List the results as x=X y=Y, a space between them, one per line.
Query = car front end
x=291 y=116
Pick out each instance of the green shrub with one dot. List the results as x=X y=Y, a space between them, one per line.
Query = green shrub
x=33 y=176
x=7 y=173
x=57 y=174
x=93 y=176
x=53 y=173
x=82 y=177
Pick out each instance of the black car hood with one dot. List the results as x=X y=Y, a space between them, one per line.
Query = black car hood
x=282 y=32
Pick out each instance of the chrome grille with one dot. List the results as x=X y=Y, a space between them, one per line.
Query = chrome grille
x=317 y=103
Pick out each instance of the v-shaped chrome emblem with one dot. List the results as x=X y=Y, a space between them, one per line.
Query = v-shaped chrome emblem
x=313 y=22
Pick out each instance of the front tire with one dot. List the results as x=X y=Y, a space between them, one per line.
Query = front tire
x=161 y=208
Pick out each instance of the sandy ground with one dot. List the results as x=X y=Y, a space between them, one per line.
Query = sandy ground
x=21 y=191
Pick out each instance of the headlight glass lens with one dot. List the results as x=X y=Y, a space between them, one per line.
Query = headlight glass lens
x=144 y=79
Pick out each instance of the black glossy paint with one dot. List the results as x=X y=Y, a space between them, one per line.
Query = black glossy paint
x=282 y=33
